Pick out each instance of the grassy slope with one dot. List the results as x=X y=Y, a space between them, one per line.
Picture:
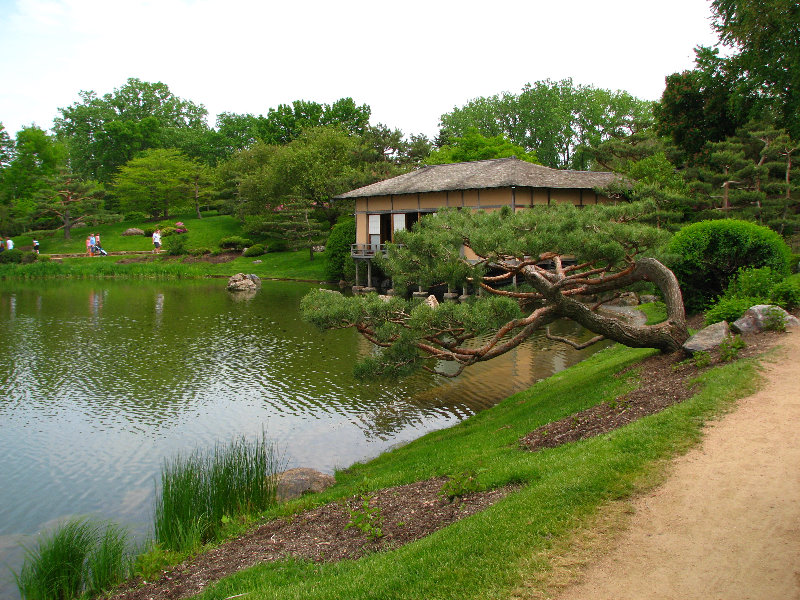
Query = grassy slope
x=487 y=555
x=203 y=233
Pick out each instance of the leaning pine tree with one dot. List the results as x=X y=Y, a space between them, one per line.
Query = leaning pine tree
x=564 y=255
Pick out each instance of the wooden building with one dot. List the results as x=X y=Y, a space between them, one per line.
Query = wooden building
x=397 y=203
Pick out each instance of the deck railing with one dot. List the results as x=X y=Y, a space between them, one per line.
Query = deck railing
x=366 y=250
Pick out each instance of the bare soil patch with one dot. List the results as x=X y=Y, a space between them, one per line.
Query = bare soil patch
x=665 y=380
x=224 y=257
x=407 y=513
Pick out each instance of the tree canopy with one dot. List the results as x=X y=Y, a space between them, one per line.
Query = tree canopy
x=475 y=146
x=562 y=253
x=557 y=120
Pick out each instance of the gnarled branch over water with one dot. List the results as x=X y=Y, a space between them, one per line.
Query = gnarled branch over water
x=561 y=261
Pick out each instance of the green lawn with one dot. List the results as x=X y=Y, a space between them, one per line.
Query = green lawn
x=489 y=554
x=203 y=233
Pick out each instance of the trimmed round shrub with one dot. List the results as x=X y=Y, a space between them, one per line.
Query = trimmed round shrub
x=706 y=255
x=786 y=295
x=28 y=258
x=167 y=231
x=11 y=256
x=234 y=242
x=730 y=309
x=255 y=250
x=337 y=248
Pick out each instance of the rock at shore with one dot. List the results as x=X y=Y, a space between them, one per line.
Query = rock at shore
x=756 y=317
x=296 y=482
x=708 y=338
x=242 y=282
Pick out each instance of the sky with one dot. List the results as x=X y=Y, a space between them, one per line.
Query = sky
x=410 y=61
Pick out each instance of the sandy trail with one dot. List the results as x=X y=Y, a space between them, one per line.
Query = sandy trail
x=726 y=523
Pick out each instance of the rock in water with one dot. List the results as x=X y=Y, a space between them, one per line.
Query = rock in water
x=242 y=282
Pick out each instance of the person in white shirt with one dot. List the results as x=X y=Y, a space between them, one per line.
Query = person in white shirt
x=156 y=241
x=9 y=244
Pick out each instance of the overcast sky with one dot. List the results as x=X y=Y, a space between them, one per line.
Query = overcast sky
x=410 y=61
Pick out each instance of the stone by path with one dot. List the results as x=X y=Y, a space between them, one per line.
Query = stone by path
x=726 y=523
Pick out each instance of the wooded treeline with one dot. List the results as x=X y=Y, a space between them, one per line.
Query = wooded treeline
x=722 y=141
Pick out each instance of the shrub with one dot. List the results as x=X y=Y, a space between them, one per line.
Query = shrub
x=338 y=248
x=255 y=250
x=729 y=309
x=28 y=258
x=775 y=319
x=277 y=246
x=175 y=245
x=706 y=255
x=136 y=216
x=729 y=348
x=234 y=242
x=753 y=283
x=167 y=231
x=786 y=295
x=11 y=256
x=200 y=251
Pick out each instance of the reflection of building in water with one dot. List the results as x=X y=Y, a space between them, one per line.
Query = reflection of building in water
x=159 y=308
x=95 y=306
x=479 y=386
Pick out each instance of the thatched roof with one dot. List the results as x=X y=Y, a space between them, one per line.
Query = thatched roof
x=481 y=174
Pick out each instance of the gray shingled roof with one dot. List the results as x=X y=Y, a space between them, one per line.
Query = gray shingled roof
x=480 y=174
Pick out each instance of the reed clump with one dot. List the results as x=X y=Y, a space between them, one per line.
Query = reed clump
x=78 y=557
x=203 y=491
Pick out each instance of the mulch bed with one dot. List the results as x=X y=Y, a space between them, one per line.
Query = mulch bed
x=407 y=513
x=665 y=380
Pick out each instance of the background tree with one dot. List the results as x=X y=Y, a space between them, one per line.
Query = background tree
x=155 y=182
x=706 y=104
x=557 y=120
x=103 y=133
x=607 y=243
x=766 y=34
x=35 y=160
x=291 y=222
x=71 y=200
x=475 y=146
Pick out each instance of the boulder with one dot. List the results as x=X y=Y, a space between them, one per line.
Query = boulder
x=294 y=483
x=648 y=299
x=242 y=282
x=756 y=317
x=707 y=338
x=133 y=231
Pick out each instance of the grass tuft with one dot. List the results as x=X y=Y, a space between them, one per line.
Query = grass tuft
x=203 y=491
x=77 y=556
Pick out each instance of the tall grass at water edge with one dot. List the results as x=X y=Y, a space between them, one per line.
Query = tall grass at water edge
x=78 y=557
x=202 y=491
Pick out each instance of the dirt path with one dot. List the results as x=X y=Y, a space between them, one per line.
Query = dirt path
x=726 y=523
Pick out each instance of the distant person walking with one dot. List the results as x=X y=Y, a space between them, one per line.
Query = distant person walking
x=36 y=246
x=156 y=241
x=88 y=246
x=9 y=244
x=2 y=244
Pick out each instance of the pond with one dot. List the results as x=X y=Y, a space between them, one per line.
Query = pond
x=101 y=381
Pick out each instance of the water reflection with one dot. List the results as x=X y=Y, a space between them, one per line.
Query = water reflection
x=99 y=382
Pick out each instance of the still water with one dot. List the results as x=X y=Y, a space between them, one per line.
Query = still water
x=101 y=381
